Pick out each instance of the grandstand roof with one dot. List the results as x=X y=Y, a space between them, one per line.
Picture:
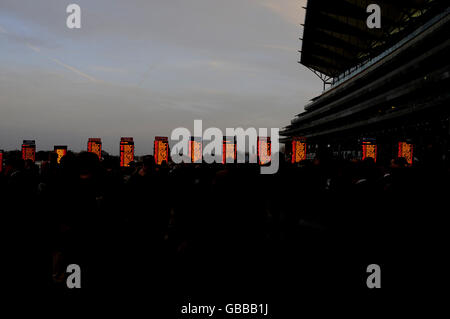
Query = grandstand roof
x=336 y=37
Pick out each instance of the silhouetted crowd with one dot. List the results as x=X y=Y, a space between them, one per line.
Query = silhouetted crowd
x=215 y=227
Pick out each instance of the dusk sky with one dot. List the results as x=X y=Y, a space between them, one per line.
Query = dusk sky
x=143 y=68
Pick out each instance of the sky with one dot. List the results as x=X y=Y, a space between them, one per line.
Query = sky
x=142 y=68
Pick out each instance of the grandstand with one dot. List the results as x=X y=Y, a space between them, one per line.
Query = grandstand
x=390 y=84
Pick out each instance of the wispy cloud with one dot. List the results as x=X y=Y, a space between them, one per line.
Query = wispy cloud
x=64 y=65
x=108 y=69
x=75 y=70
x=68 y=67
x=145 y=75
x=34 y=48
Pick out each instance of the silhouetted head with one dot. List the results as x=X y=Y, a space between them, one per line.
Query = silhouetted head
x=52 y=157
x=399 y=162
x=88 y=165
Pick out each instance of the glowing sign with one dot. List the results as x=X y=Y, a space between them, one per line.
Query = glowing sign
x=298 y=149
x=369 y=147
x=126 y=151
x=60 y=151
x=1 y=161
x=229 y=150
x=195 y=150
x=161 y=150
x=405 y=150
x=95 y=146
x=264 y=150
x=29 y=150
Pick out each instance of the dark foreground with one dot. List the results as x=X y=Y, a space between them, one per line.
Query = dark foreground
x=153 y=239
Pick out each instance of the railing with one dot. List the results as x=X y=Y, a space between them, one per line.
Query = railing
x=355 y=70
x=365 y=65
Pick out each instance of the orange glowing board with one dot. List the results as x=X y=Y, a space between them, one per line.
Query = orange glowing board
x=1 y=161
x=161 y=150
x=29 y=150
x=264 y=150
x=195 y=150
x=298 y=149
x=60 y=151
x=405 y=150
x=369 y=147
x=95 y=146
x=229 y=150
x=126 y=151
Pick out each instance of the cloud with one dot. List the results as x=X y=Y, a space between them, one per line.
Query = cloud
x=289 y=10
x=147 y=67
x=281 y=47
x=145 y=75
x=68 y=67
x=34 y=48
x=108 y=69
x=75 y=70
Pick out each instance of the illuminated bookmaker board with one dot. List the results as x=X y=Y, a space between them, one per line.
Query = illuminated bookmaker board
x=95 y=146
x=61 y=151
x=229 y=150
x=126 y=151
x=405 y=150
x=264 y=150
x=29 y=150
x=1 y=161
x=369 y=147
x=195 y=149
x=298 y=149
x=161 y=149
